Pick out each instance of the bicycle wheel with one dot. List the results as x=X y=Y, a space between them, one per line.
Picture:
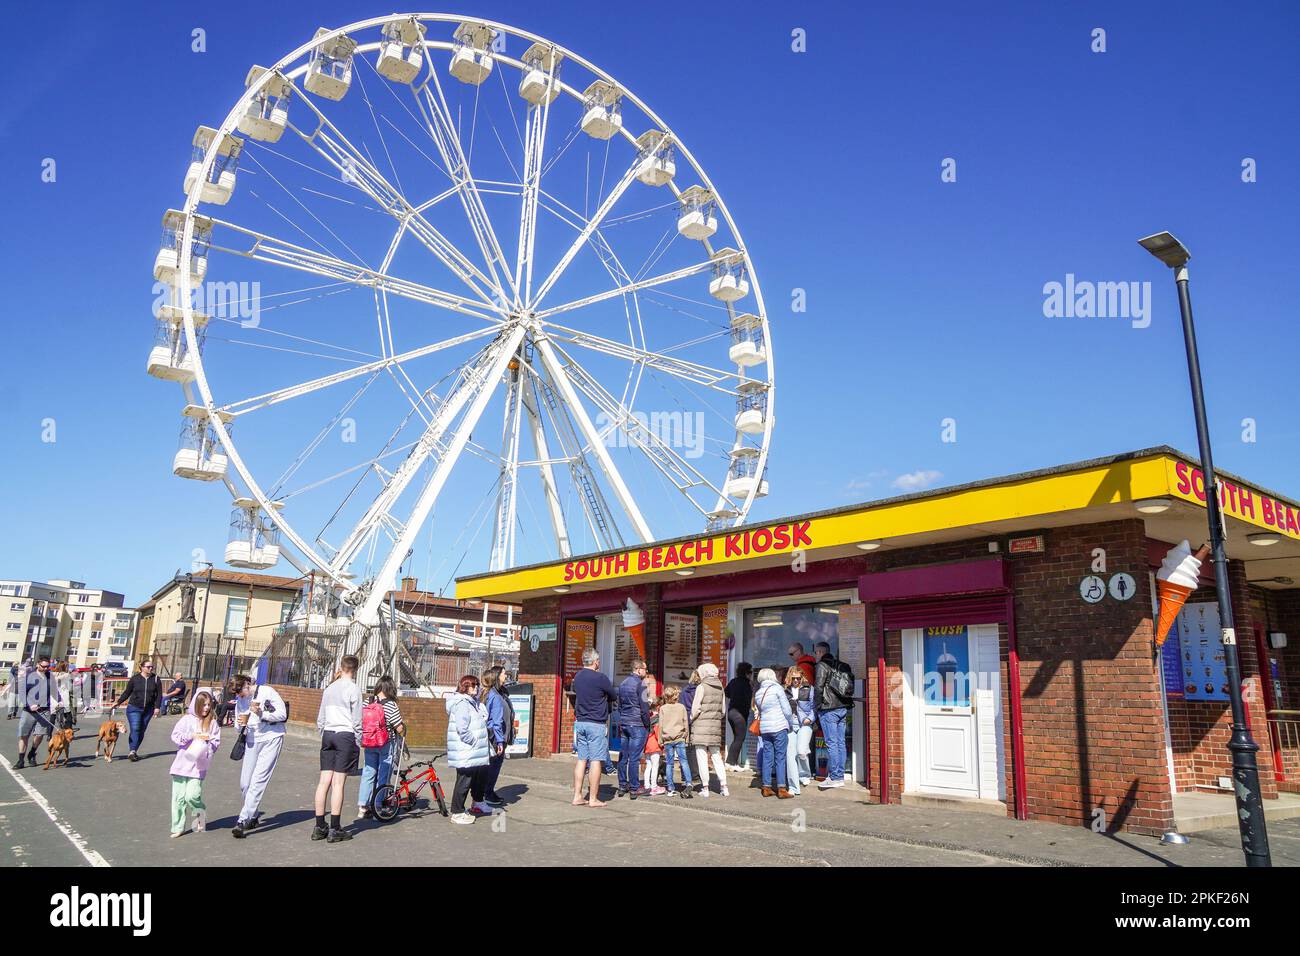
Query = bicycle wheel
x=385 y=803
x=442 y=800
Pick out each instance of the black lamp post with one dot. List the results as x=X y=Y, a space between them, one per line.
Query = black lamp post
x=1245 y=770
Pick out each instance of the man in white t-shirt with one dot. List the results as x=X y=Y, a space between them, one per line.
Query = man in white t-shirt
x=339 y=723
x=262 y=711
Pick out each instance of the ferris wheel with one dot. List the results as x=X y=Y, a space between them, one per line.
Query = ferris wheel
x=441 y=273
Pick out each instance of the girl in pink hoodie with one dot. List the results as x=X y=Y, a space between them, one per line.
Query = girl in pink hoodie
x=197 y=735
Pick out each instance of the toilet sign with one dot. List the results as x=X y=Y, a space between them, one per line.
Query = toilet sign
x=1092 y=589
x=1121 y=586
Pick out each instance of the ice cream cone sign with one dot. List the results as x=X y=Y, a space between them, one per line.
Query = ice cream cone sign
x=1178 y=577
x=634 y=622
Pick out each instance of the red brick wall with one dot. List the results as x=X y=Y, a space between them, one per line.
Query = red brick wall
x=425 y=717
x=1201 y=729
x=540 y=668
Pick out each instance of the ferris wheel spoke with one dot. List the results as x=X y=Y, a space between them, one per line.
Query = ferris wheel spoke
x=441 y=128
x=591 y=226
x=674 y=276
x=269 y=249
x=265 y=400
x=593 y=437
x=666 y=459
x=355 y=168
x=534 y=149
x=473 y=386
x=691 y=371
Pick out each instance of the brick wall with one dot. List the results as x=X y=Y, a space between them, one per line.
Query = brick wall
x=540 y=668
x=1093 y=727
x=425 y=717
x=1201 y=729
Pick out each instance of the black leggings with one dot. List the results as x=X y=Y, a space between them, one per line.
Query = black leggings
x=739 y=727
x=469 y=782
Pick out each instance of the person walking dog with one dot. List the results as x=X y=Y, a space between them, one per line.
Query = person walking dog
x=142 y=695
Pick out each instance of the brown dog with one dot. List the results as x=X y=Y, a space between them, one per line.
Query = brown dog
x=60 y=745
x=109 y=731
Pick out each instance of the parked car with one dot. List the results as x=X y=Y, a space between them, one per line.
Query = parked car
x=115 y=669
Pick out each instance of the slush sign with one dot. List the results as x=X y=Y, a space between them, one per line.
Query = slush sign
x=775 y=539
x=1248 y=504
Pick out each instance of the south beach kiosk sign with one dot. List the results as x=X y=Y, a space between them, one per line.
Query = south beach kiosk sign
x=774 y=539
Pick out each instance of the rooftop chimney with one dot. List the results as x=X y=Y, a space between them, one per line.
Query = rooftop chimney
x=408 y=585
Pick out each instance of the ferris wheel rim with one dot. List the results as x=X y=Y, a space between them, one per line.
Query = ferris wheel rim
x=193 y=200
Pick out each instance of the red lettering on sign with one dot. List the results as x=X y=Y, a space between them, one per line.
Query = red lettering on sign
x=801 y=536
x=1266 y=510
x=620 y=564
x=781 y=537
x=1247 y=503
x=733 y=545
x=670 y=556
x=762 y=541
x=704 y=550
x=1184 y=484
x=643 y=560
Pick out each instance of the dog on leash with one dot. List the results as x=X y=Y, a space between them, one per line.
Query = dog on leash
x=60 y=746
x=109 y=731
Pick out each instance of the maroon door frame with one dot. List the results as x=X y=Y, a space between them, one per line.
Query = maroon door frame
x=942 y=583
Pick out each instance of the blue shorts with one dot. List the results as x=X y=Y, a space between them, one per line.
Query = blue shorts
x=591 y=740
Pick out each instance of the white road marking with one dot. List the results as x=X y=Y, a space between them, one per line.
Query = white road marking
x=92 y=857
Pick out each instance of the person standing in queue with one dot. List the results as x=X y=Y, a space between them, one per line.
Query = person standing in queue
x=262 y=712
x=142 y=694
x=501 y=727
x=378 y=769
x=339 y=723
x=593 y=693
x=706 y=727
x=775 y=721
x=468 y=750
x=740 y=695
x=833 y=690
x=633 y=728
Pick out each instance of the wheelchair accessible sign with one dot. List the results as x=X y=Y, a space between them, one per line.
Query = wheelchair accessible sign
x=1093 y=589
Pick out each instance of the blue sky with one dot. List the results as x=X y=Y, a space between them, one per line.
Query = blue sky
x=924 y=298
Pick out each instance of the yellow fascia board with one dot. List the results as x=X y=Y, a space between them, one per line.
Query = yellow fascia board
x=1038 y=496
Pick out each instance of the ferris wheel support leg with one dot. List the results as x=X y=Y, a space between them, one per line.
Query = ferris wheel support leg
x=593 y=437
x=385 y=578
x=543 y=453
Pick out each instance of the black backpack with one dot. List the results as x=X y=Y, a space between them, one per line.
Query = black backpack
x=840 y=681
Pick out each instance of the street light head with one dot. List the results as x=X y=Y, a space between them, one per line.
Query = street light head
x=1166 y=248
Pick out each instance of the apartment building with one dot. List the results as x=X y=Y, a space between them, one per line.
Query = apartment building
x=64 y=619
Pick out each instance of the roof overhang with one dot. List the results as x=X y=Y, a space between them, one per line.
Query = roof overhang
x=1087 y=492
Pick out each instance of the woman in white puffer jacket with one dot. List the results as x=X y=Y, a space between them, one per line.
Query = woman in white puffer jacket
x=468 y=749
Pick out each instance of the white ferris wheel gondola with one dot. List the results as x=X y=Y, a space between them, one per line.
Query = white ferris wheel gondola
x=329 y=74
x=170 y=357
x=540 y=82
x=401 y=53
x=546 y=375
x=471 y=57
x=219 y=183
x=200 y=455
x=267 y=113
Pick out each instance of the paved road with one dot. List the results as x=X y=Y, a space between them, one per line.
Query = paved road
x=93 y=813
x=119 y=812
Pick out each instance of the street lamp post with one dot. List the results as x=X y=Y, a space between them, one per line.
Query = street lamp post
x=203 y=624
x=1245 y=769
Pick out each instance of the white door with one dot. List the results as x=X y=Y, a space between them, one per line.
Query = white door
x=948 y=738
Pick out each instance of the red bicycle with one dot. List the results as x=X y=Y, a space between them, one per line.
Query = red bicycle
x=390 y=800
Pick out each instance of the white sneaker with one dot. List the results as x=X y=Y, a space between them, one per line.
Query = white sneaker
x=462 y=818
x=827 y=784
x=725 y=792
x=200 y=821
x=704 y=794
x=838 y=783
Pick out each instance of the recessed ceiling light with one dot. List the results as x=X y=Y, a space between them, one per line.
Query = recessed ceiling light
x=1153 y=506
x=561 y=589
x=868 y=545
x=684 y=572
x=1264 y=538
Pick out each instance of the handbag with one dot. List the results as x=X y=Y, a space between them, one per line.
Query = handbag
x=755 y=725
x=241 y=743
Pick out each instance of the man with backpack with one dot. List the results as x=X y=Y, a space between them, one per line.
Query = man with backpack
x=833 y=686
